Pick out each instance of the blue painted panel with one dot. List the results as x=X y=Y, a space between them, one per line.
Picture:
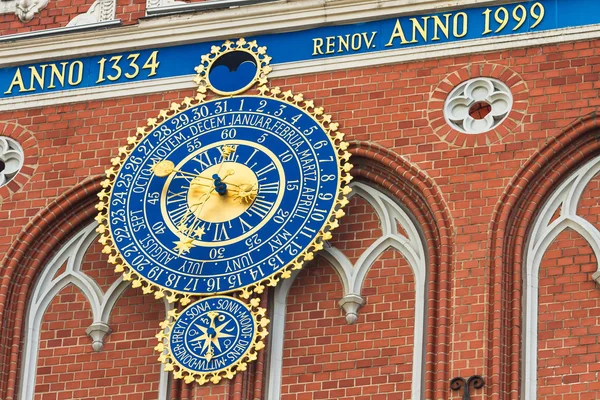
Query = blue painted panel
x=322 y=42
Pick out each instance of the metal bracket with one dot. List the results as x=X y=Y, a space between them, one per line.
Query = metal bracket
x=457 y=383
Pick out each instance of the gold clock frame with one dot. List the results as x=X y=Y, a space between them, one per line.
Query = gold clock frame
x=317 y=113
x=261 y=59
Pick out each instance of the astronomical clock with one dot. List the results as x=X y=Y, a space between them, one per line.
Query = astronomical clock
x=215 y=199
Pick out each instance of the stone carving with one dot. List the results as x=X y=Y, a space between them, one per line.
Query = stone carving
x=101 y=10
x=24 y=9
x=350 y=303
x=478 y=105
x=11 y=159
x=97 y=331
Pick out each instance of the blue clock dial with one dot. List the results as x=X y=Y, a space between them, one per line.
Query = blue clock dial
x=212 y=338
x=212 y=334
x=225 y=195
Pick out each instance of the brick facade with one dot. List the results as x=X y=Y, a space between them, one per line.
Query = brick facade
x=473 y=198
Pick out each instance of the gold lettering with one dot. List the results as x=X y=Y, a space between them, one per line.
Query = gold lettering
x=152 y=63
x=76 y=82
x=330 y=44
x=132 y=64
x=17 y=80
x=417 y=27
x=398 y=33
x=369 y=42
x=438 y=24
x=464 y=25
x=59 y=75
x=317 y=44
x=115 y=66
x=356 y=44
x=35 y=75
x=344 y=42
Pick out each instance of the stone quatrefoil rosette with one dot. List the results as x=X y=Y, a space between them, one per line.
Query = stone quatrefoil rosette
x=478 y=90
x=11 y=159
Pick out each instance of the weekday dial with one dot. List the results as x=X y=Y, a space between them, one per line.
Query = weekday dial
x=212 y=338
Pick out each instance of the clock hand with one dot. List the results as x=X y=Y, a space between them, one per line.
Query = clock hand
x=212 y=315
x=209 y=353
x=209 y=179
x=165 y=168
x=211 y=335
x=185 y=243
x=221 y=186
x=225 y=153
x=195 y=226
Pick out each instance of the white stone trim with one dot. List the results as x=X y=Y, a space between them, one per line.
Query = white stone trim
x=164 y=7
x=490 y=91
x=363 y=60
x=48 y=286
x=58 y=31
x=565 y=200
x=12 y=158
x=413 y=249
x=276 y=16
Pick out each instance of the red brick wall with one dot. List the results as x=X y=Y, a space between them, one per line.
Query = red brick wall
x=569 y=309
x=387 y=106
x=55 y=15
x=67 y=366
x=325 y=358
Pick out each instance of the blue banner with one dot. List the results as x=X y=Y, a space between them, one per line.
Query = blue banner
x=323 y=42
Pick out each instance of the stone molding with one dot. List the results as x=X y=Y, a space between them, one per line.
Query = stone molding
x=158 y=4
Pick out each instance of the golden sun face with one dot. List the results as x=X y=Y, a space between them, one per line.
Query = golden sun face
x=246 y=193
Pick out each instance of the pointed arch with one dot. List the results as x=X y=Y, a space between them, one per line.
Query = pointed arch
x=510 y=226
x=25 y=259
x=48 y=285
x=411 y=187
x=426 y=248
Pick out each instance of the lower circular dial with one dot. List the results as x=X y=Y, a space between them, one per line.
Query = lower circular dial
x=212 y=338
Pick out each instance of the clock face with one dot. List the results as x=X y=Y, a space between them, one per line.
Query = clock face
x=212 y=338
x=212 y=334
x=225 y=195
